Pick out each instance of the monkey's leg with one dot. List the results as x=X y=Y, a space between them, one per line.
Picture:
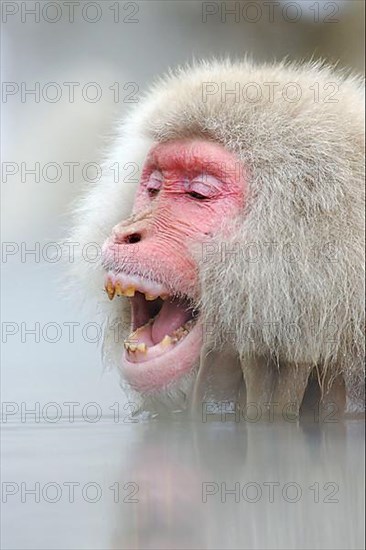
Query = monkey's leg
x=291 y=383
x=259 y=377
x=279 y=389
x=219 y=378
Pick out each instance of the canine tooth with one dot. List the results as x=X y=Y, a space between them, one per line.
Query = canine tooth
x=126 y=345
x=130 y=291
x=110 y=290
x=132 y=347
x=164 y=296
x=166 y=341
x=142 y=347
x=150 y=297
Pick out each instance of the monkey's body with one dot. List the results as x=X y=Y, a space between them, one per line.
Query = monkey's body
x=281 y=281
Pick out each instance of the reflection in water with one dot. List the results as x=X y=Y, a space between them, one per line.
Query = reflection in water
x=185 y=484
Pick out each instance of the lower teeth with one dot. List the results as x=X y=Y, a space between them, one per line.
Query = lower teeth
x=131 y=345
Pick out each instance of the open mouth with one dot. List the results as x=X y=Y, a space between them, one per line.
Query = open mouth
x=165 y=340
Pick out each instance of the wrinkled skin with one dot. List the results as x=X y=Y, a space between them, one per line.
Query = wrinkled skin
x=186 y=190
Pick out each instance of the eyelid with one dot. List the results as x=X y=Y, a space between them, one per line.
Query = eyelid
x=204 y=184
x=155 y=180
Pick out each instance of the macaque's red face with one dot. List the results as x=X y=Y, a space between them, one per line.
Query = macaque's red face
x=187 y=189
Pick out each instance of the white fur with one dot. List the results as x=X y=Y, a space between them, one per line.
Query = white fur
x=305 y=186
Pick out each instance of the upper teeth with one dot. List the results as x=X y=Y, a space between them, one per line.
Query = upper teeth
x=121 y=285
x=120 y=291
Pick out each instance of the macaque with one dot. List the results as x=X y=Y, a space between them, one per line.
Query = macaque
x=232 y=243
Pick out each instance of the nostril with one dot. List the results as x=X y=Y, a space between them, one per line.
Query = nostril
x=133 y=238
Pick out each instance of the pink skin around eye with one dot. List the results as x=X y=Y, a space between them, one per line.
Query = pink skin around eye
x=200 y=167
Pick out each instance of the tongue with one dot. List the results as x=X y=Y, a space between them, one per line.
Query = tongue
x=172 y=315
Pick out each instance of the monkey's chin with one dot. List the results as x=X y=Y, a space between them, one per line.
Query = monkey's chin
x=162 y=364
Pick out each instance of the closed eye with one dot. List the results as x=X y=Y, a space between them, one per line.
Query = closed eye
x=197 y=196
x=203 y=187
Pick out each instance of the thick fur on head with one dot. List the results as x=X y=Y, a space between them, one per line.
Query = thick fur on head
x=300 y=298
